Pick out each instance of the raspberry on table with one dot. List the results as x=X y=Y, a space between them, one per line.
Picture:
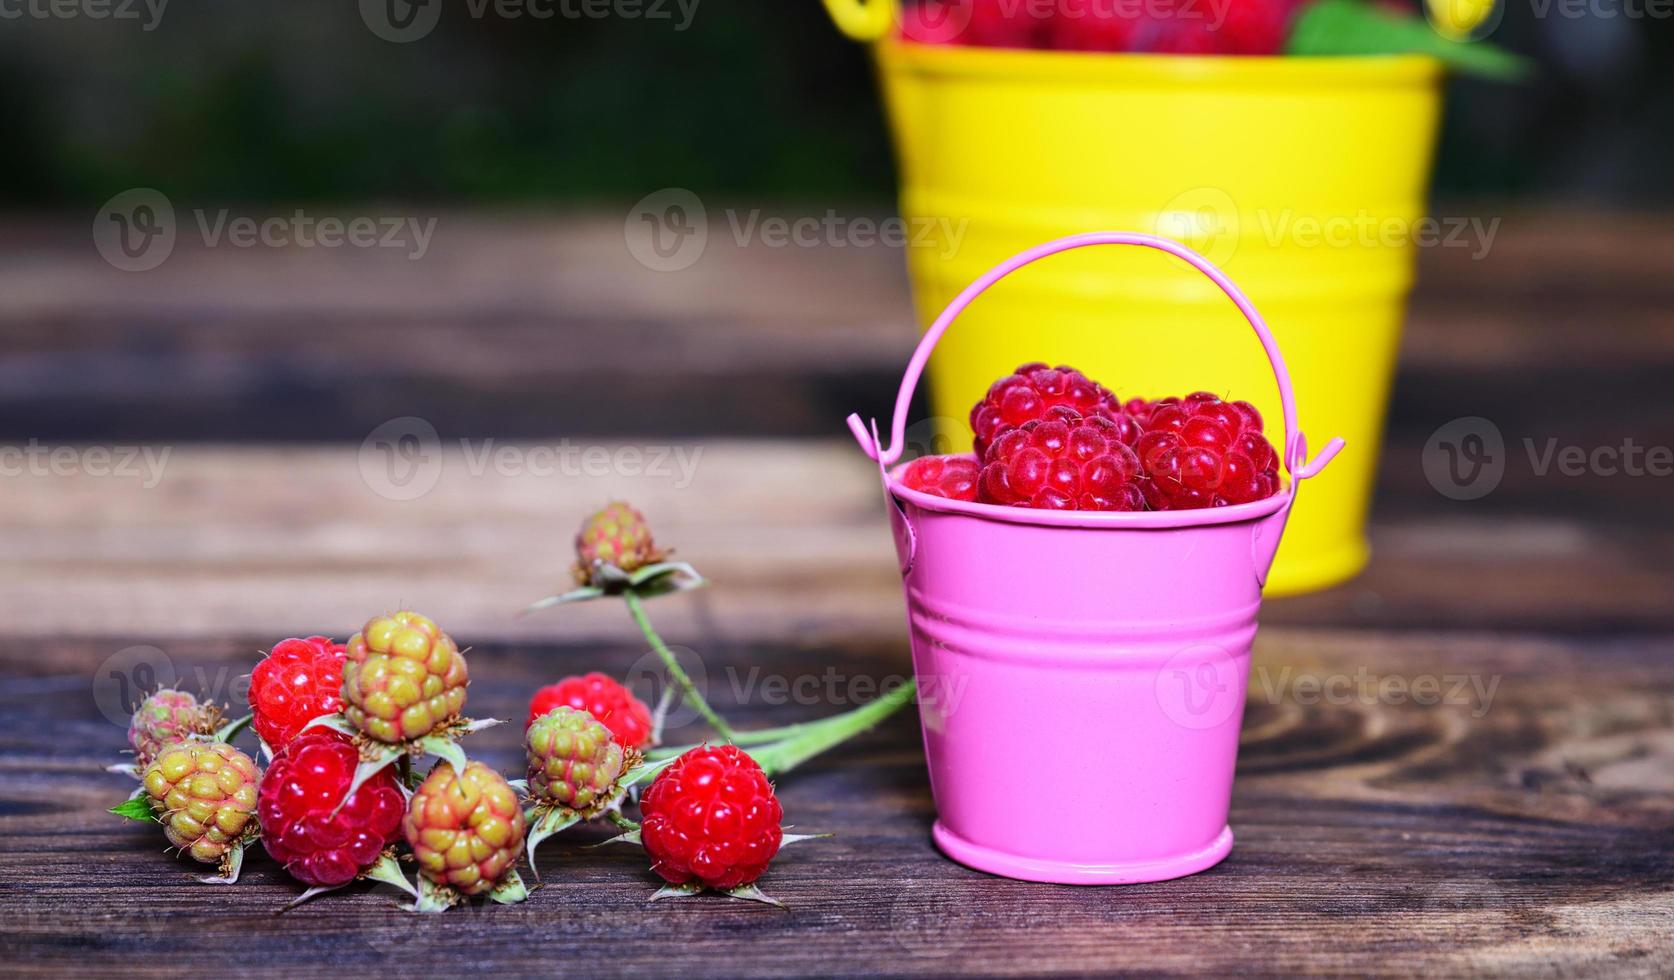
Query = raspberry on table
x=711 y=817
x=205 y=795
x=299 y=680
x=1064 y=462
x=1032 y=392
x=466 y=829
x=627 y=717
x=953 y=477
x=322 y=839
x=404 y=678
x=166 y=717
x=574 y=760
x=1201 y=451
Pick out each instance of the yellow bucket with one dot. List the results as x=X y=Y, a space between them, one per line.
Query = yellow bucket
x=1303 y=178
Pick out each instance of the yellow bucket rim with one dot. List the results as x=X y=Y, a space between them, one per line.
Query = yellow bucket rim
x=1214 y=71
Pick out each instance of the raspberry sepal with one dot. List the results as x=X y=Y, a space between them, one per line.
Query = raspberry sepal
x=376 y=756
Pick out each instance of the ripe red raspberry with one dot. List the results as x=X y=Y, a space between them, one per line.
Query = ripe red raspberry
x=298 y=681
x=1093 y=25
x=711 y=816
x=616 y=535
x=979 y=23
x=627 y=717
x=465 y=829
x=167 y=717
x=302 y=825
x=404 y=678
x=1256 y=27
x=953 y=477
x=1032 y=391
x=1062 y=463
x=1200 y=451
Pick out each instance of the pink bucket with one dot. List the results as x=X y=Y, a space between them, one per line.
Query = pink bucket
x=1082 y=674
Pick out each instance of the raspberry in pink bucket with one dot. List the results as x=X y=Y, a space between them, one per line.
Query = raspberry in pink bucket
x=1134 y=626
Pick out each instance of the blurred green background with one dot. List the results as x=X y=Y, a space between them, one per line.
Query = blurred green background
x=259 y=102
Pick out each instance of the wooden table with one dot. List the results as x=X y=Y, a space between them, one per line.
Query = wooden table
x=1524 y=825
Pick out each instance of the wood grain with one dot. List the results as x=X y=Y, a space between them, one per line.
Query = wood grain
x=1527 y=833
x=1518 y=822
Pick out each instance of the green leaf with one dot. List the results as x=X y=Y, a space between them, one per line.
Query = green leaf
x=388 y=871
x=630 y=837
x=664 y=578
x=434 y=897
x=575 y=595
x=753 y=894
x=136 y=808
x=335 y=722
x=230 y=865
x=553 y=822
x=385 y=757
x=446 y=749
x=229 y=731
x=510 y=890
x=1356 y=27
x=687 y=890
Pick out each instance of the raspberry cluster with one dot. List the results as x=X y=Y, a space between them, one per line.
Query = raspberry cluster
x=342 y=725
x=1053 y=439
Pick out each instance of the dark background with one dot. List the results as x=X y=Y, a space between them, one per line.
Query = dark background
x=271 y=102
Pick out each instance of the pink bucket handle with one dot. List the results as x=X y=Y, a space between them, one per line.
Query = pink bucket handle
x=1296 y=447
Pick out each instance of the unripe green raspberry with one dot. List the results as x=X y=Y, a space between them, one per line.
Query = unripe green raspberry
x=466 y=830
x=573 y=760
x=616 y=535
x=205 y=795
x=404 y=678
x=166 y=717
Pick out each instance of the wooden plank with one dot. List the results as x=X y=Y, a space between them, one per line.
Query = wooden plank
x=272 y=541
x=1526 y=833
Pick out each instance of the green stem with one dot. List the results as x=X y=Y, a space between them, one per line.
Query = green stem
x=819 y=736
x=621 y=821
x=637 y=610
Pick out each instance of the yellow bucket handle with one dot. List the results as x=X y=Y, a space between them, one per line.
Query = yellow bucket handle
x=863 y=20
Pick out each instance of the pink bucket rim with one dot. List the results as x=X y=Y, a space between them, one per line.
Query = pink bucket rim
x=1107 y=519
